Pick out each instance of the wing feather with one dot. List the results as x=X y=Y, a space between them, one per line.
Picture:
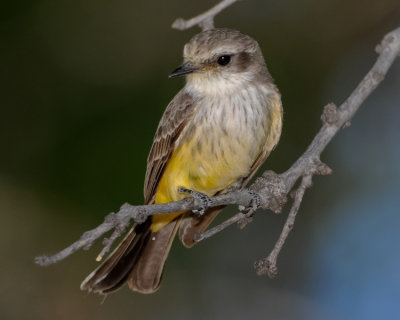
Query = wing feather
x=176 y=116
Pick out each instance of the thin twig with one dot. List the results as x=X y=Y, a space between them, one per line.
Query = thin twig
x=212 y=231
x=268 y=265
x=205 y=20
x=118 y=231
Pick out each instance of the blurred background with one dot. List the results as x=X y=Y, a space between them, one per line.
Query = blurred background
x=83 y=85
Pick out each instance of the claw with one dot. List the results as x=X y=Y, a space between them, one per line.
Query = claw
x=206 y=202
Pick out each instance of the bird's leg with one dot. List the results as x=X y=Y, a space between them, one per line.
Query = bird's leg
x=248 y=211
x=206 y=201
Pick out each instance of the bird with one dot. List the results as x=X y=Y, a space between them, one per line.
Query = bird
x=212 y=138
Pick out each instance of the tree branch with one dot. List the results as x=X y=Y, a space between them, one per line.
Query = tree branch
x=268 y=265
x=127 y=213
x=205 y=20
x=271 y=188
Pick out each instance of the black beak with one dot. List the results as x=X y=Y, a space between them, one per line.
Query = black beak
x=183 y=69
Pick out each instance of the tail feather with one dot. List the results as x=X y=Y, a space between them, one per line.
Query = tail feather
x=147 y=273
x=113 y=272
x=139 y=259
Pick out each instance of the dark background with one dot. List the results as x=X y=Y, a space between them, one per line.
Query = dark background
x=83 y=85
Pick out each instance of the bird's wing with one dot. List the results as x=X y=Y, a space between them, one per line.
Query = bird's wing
x=176 y=116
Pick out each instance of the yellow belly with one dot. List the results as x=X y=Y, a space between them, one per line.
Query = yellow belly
x=204 y=167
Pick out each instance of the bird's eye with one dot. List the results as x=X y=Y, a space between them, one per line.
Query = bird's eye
x=224 y=60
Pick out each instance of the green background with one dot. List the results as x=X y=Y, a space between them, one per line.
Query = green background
x=83 y=85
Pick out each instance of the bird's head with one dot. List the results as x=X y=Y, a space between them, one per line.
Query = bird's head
x=220 y=60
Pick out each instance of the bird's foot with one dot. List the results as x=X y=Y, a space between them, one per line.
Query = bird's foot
x=206 y=201
x=249 y=210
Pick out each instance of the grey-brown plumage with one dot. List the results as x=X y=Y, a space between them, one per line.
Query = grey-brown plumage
x=214 y=135
x=175 y=117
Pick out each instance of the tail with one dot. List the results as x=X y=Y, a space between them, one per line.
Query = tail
x=139 y=260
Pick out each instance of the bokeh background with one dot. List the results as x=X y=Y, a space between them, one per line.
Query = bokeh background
x=83 y=85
